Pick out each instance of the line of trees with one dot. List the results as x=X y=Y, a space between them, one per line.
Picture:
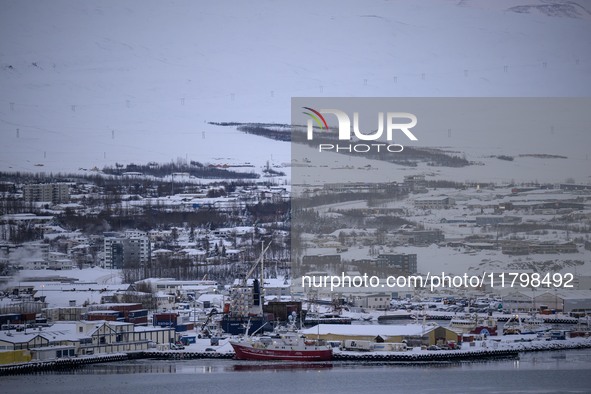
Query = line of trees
x=194 y=168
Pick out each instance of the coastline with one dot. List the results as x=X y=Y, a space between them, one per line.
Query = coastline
x=485 y=350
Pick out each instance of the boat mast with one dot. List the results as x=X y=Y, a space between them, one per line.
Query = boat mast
x=318 y=331
x=262 y=282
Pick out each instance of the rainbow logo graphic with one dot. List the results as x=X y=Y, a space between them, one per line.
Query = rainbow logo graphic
x=317 y=116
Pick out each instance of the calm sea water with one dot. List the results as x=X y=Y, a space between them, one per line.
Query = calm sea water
x=544 y=372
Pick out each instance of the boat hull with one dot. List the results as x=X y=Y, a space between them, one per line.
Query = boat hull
x=397 y=316
x=246 y=352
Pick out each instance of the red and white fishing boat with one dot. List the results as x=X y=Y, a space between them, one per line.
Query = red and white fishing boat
x=288 y=346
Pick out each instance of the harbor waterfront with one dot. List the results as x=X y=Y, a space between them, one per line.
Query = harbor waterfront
x=474 y=351
x=557 y=372
x=336 y=197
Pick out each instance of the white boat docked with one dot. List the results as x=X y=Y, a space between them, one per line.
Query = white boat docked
x=531 y=325
x=474 y=324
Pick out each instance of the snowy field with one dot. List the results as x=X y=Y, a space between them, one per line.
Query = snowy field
x=85 y=85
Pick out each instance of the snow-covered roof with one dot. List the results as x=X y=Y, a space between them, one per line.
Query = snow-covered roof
x=433 y=198
x=57 y=332
x=370 y=330
x=268 y=282
x=161 y=251
x=193 y=252
x=212 y=298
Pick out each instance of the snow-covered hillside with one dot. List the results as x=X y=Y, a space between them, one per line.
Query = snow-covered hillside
x=85 y=84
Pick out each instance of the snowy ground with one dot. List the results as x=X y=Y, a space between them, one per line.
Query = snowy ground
x=461 y=260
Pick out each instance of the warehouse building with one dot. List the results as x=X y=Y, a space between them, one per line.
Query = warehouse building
x=567 y=301
x=413 y=334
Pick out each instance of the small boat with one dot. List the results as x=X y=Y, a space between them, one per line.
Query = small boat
x=313 y=319
x=532 y=325
x=474 y=325
x=288 y=346
x=580 y=331
x=394 y=315
x=356 y=315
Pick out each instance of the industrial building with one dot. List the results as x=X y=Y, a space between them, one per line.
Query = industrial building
x=377 y=301
x=421 y=237
x=566 y=301
x=439 y=202
x=84 y=337
x=402 y=262
x=414 y=334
